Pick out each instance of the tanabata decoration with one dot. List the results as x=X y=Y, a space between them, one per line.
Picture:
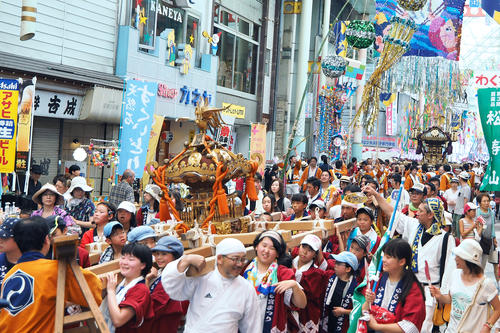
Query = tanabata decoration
x=337 y=37
x=333 y=66
x=412 y=5
x=396 y=43
x=360 y=34
x=103 y=156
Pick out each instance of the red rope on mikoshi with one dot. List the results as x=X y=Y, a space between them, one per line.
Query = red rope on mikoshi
x=250 y=190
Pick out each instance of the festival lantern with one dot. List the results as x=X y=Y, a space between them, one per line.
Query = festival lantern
x=333 y=66
x=396 y=43
x=360 y=34
x=412 y=5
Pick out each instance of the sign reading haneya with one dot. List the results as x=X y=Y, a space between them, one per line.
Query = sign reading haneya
x=489 y=111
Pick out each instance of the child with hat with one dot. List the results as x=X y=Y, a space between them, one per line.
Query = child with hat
x=151 y=207
x=337 y=301
x=116 y=238
x=9 y=251
x=143 y=235
x=364 y=220
x=125 y=214
x=360 y=248
x=468 y=283
x=167 y=312
x=468 y=225
x=317 y=209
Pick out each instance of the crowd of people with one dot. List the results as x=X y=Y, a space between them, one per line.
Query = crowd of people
x=443 y=237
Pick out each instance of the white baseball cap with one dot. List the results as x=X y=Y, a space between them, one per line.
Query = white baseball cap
x=127 y=205
x=313 y=241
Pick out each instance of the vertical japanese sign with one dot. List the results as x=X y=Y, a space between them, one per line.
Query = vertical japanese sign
x=224 y=135
x=391 y=114
x=9 y=95
x=258 y=143
x=27 y=92
x=489 y=111
x=137 y=118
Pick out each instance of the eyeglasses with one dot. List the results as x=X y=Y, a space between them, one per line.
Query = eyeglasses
x=237 y=260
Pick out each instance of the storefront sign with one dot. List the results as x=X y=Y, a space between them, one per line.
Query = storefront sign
x=193 y=96
x=9 y=95
x=166 y=92
x=25 y=109
x=137 y=118
x=381 y=142
x=224 y=135
x=163 y=8
x=57 y=105
x=489 y=112
x=236 y=111
x=258 y=143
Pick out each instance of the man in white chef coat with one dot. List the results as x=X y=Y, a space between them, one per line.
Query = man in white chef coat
x=426 y=239
x=220 y=301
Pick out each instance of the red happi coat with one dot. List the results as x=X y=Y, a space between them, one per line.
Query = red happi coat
x=414 y=308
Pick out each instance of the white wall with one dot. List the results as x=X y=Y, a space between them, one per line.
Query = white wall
x=80 y=33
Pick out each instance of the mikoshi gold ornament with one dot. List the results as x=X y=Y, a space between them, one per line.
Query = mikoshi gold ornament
x=412 y=5
x=396 y=43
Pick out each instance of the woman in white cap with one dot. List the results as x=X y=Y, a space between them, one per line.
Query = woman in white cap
x=125 y=214
x=151 y=207
x=468 y=225
x=79 y=205
x=274 y=283
x=470 y=293
x=49 y=199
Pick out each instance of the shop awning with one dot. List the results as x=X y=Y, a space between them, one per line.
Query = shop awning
x=57 y=71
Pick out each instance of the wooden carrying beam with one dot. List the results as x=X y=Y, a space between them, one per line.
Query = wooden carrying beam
x=300 y=225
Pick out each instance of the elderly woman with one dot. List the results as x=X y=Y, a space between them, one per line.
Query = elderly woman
x=49 y=199
x=79 y=205
x=151 y=207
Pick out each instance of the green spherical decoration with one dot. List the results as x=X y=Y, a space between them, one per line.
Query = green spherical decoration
x=412 y=5
x=360 y=34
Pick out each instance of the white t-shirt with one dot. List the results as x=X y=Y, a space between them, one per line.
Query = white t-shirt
x=461 y=297
x=451 y=195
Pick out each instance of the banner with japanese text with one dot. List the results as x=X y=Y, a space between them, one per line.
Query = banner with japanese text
x=25 y=109
x=139 y=101
x=258 y=143
x=9 y=94
x=153 y=143
x=489 y=112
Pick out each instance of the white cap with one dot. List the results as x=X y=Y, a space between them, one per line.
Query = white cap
x=127 y=205
x=464 y=175
x=313 y=241
x=318 y=203
x=228 y=246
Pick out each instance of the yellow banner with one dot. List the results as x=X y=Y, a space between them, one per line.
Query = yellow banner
x=236 y=111
x=258 y=143
x=153 y=143
x=8 y=125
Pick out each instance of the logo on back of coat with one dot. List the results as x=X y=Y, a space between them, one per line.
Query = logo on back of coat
x=18 y=289
x=208 y=295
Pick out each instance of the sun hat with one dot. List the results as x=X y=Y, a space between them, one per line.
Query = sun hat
x=313 y=241
x=169 y=244
x=79 y=182
x=48 y=187
x=140 y=233
x=468 y=206
x=469 y=250
x=153 y=190
x=464 y=175
x=347 y=258
x=126 y=205
x=109 y=227
x=7 y=227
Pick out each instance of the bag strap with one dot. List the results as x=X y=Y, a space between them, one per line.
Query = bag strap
x=442 y=262
x=469 y=308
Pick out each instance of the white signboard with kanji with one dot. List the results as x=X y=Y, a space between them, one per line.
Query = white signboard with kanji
x=57 y=105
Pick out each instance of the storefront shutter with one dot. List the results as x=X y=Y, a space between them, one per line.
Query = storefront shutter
x=45 y=147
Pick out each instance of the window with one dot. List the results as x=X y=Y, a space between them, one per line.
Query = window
x=143 y=18
x=238 y=51
x=192 y=35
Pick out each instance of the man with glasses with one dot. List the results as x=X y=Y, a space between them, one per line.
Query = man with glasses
x=220 y=301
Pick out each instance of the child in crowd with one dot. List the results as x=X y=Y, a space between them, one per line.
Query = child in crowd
x=339 y=289
x=116 y=238
x=468 y=224
x=128 y=304
x=104 y=212
x=266 y=217
x=365 y=219
x=317 y=210
x=398 y=292
x=143 y=235
x=268 y=203
x=125 y=214
x=167 y=312
x=299 y=204
x=359 y=246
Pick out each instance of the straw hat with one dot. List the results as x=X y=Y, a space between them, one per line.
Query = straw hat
x=47 y=187
x=79 y=182
x=154 y=191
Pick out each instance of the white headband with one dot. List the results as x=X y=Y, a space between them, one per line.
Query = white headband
x=271 y=234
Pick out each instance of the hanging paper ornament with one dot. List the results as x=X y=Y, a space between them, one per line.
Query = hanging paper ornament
x=333 y=66
x=360 y=34
x=412 y=5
